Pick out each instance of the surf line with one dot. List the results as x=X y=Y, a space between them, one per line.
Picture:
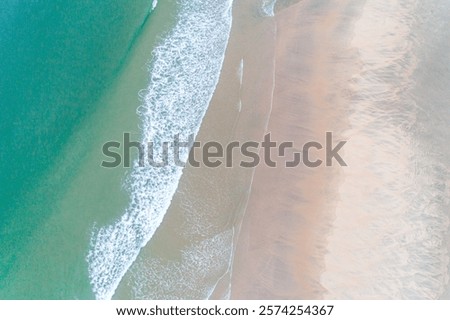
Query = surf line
x=184 y=72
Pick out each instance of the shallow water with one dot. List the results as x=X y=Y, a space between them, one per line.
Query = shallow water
x=390 y=235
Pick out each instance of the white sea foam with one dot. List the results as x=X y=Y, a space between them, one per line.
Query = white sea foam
x=184 y=73
x=240 y=74
x=391 y=228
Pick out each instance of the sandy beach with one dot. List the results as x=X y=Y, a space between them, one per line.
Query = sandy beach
x=273 y=220
x=286 y=233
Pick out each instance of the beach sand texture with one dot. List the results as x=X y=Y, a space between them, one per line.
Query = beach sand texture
x=309 y=233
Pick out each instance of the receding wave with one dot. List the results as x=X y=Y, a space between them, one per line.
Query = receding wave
x=201 y=262
x=184 y=72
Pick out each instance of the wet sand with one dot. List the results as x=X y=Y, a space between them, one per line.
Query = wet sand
x=283 y=239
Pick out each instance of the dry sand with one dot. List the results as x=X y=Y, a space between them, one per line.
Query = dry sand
x=307 y=233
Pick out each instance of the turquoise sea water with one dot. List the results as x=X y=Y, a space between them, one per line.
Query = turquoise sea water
x=57 y=60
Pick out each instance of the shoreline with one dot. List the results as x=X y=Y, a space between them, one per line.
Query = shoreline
x=211 y=205
x=282 y=233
